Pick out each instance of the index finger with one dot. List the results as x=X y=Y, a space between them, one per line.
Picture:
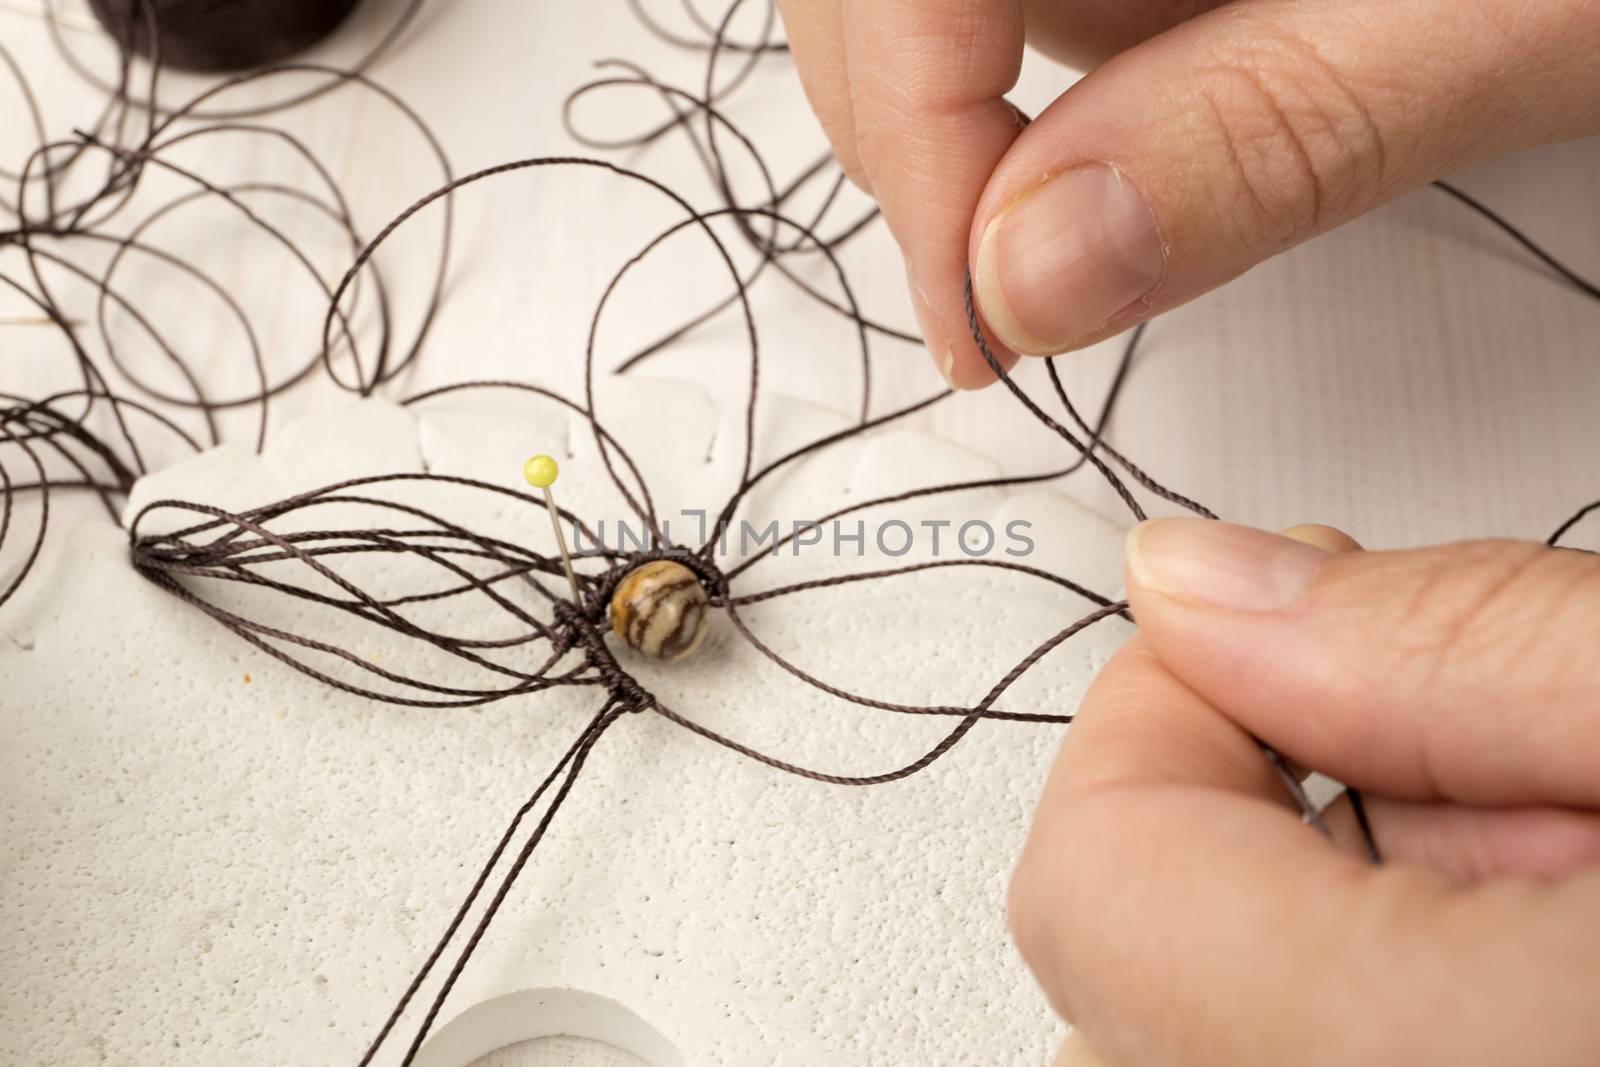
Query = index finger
x=927 y=83
x=1177 y=910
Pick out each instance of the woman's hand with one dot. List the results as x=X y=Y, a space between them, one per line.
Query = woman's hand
x=1178 y=912
x=1219 y=135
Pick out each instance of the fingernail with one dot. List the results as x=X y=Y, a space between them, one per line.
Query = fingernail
x=933 y=337
x=1217 y=563
x=1066 y=258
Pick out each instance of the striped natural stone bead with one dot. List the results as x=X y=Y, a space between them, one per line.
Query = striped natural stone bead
x=660 y=609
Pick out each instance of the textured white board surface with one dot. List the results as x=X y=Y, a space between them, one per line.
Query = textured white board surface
x=212 y=859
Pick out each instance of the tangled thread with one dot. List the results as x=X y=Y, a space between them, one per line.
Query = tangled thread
x=88 y=438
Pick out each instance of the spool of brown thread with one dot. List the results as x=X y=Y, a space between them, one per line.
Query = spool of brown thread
x=221 y=35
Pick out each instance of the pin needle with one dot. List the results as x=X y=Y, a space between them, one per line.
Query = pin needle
x=35 y=320
x=541 y=472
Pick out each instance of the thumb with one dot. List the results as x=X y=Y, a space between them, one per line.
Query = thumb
x=1463 y=673
x=1189 y=158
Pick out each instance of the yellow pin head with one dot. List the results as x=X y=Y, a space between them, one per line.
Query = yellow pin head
x=541 y=472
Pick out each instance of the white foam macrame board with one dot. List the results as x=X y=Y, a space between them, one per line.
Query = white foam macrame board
x=212 y=859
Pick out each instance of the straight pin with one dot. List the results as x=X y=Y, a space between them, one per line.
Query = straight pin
x=542 y=472
x=35 y=320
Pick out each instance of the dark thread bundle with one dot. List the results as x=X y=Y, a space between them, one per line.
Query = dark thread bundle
x=219 y=35
x=567 y=640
